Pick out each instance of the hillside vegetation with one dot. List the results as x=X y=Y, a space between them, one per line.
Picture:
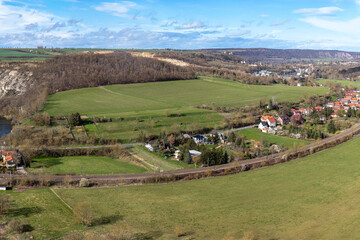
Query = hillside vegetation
x=90 y=70
x=311 y=198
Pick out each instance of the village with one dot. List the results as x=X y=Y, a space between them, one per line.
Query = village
x=304 y=122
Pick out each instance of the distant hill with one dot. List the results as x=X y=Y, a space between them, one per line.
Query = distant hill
x=279 y=55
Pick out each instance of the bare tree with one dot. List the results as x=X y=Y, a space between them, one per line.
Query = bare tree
x=83 y=214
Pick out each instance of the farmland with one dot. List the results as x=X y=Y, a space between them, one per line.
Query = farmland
x=85 y=165
x=144 y=106
x=310 y=198
x=342 y=82
x=257 y=135
x=23 y=54
x=130 y=99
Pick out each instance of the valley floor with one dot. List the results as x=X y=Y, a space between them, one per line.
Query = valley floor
x=315 y=197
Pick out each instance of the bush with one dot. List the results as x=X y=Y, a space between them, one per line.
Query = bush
x=15 y=226
x=178 y=232
x=83 y=214
x=84 y=182
x=248 y=236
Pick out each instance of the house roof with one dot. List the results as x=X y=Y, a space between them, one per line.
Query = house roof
x=268 y=117
x=272 y=119
x=198 y=137
x=194 y=152
x=9 y=158
x=5 y=153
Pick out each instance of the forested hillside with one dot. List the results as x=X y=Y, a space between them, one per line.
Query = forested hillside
x=90 y=70
x=75 y=71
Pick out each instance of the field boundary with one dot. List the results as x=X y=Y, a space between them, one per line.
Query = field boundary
x=213 y=171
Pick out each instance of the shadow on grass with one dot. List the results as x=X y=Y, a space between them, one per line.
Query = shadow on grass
x=148 y=236
x=27 y=228
x=45 y=162
x=107 y=220
x=24 y=211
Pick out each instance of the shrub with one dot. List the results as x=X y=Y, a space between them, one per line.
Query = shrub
x=67 y=180
x=15 y=226
x=83 y=214
x=5 y=203
x=178 y=232
x=229 y=236
x=84 y=182
x=248 y=236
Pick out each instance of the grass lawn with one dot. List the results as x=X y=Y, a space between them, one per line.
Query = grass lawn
x=126 y=99
x=143 y=106
x=89 y=165
x=316 y=197
x=256 y=134
x=342 y=82
x=152 y=123
x=312 y=198
x=44 y=212
x=154 y=160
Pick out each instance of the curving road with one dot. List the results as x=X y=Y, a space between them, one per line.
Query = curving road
x=246 y=164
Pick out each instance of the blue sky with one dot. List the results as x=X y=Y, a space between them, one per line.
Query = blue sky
x=305 y=24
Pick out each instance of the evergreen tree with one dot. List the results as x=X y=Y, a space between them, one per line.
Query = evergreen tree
x=75 y=119
x=188 y=158
x=226 y=157
x=331 y=127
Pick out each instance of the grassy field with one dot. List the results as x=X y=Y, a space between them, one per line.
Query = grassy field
x=316 y=197
x=89 y=165
x=153 y=123
x=143 y=106
x=257 y=135
x=342 y=82
x=44 y=212
x=156 y=162
x=129 y=99
x=23 y=54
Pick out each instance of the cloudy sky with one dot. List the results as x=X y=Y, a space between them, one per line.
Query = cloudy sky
x=188 y=24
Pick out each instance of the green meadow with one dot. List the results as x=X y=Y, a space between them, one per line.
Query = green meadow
x=316 y=197
x=342 y=82
x=144 y=106
x=22 y=54
x=85 y=165
x=130 y=99
x=257 y=135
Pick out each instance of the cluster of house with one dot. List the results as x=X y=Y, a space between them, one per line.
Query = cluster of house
x=270 y=124
x=9 y=158
x=350 y=101
x=198 y=139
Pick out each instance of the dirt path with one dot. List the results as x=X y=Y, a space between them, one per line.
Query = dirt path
x=62 y=200
x=152 y=167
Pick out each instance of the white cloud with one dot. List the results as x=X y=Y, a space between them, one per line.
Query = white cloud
x=192 y=25
x=119 y=9
x=281 y=22
x=347 y=27
x=14 y=19
x=242 y=33
x=320 y=11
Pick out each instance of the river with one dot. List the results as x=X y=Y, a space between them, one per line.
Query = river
x=5 y=127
